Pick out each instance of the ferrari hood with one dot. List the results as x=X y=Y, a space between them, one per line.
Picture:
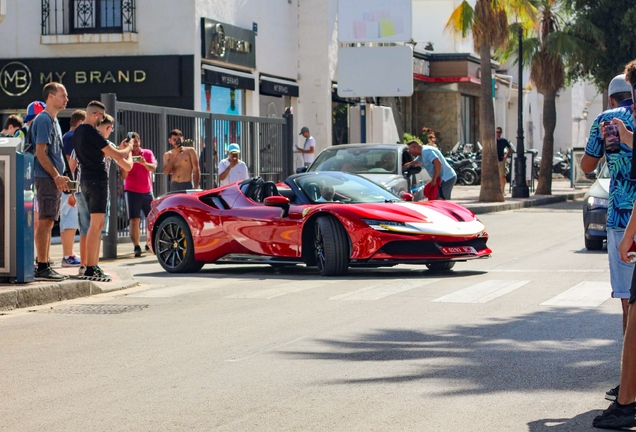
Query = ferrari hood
x=420 y=218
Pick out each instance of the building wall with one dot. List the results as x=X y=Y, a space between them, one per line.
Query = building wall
x=156 y=34
x=438 y=110
x=316 y=29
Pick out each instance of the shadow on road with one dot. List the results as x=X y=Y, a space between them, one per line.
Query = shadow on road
x=554 y=349
x=268 y=272
x=582 y=422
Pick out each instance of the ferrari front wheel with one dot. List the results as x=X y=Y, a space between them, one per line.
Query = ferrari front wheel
x=174 y=247
x=441 y=266
x=331 y=246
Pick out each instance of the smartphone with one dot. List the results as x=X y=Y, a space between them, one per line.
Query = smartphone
x=136 y=158
x=130 y=136
x=612 y=140
x=72 y=185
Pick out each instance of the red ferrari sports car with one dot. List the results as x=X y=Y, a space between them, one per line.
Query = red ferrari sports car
x=331 y=220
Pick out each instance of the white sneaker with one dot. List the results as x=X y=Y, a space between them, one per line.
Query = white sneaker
x=81 y=270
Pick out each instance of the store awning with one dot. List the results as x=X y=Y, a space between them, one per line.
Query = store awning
x=223 y=77
x=446 y=80
x=278 y=87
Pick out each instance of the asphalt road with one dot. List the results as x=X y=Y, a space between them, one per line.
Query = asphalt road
x=528 y=340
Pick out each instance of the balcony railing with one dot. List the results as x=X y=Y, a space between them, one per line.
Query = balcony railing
x=62 y=17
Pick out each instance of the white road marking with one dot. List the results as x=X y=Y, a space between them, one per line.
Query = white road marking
x=280 y=290
x=173 y=291
x=585 y=294
x=388 y=288
x=482 y=292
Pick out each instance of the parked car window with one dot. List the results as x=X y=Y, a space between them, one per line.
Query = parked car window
x=357 y=160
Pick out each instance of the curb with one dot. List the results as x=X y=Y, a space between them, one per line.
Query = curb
x=43 y=293
x=481 y=208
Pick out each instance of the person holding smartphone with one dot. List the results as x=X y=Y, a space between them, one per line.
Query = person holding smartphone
x=309 y=147
x=622 y=411
x=181 y=164
x=232 y=168
x=138 y=189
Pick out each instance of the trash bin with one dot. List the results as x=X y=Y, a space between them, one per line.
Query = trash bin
x=16 y=212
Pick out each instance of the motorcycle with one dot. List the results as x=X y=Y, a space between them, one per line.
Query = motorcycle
x=560 y=165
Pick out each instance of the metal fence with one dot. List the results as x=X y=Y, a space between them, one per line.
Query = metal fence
x=266 y=149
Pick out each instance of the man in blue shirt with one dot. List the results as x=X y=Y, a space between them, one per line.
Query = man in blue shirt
x=432 y=160
x=622 y=192
x=48 y=174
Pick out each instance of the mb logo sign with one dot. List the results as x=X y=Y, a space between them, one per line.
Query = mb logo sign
x=15 y=79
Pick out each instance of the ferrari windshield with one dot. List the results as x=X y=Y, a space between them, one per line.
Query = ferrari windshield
x=371 y=160
x=342 y=187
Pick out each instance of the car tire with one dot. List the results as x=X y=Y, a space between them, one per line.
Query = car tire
x=331 y=245
x=174 y=246
x=441 y=266
x=593 y=244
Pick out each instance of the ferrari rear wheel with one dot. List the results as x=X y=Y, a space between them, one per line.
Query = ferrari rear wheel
x=332 y=247
x=174 y=246
x=441 y=266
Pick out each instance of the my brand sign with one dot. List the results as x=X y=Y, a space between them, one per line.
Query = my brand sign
x=131 y=78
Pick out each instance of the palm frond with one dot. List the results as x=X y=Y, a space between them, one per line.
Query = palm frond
x=461 y=20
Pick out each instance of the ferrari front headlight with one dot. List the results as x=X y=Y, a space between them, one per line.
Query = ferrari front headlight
x=382 y=225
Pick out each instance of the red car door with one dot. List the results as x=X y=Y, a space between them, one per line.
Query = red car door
x=258 y=229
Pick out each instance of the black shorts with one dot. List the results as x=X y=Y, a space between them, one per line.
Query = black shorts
x=178 y=186
x=48 y=197
x=138 y=202
x=632 y=288
x=96 y=195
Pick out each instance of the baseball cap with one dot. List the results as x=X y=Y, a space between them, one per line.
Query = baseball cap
x=303 y=130
x=33 y=110
x=234 y=148
x=618 y=85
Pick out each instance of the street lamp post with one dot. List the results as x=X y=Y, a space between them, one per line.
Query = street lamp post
x=520 y=189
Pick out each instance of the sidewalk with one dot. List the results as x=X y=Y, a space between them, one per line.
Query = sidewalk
x=14 y=296
x=468 y=196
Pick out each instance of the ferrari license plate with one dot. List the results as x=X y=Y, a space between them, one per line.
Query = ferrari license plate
x=458 y=250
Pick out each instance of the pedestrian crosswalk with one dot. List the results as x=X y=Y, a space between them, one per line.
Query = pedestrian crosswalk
x=582 y=294
x=482 y=292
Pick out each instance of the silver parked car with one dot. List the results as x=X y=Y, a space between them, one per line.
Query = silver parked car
x=380 y=163
x=595 y=210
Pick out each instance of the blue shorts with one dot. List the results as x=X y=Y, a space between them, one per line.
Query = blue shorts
x=83 y=213
x=85 y=216
x=620 y=272
x=69 y=218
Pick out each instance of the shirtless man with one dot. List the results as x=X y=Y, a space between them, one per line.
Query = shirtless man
x=182 y=163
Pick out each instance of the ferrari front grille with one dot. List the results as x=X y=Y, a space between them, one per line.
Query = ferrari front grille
x=425 y=247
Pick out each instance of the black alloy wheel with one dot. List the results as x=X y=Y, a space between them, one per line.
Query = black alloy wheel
x=331 y=245
x=469 y=177
x=174 y=247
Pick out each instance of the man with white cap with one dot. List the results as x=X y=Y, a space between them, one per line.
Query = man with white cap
x=232 y=168
x=308 y=148
x=622 y=193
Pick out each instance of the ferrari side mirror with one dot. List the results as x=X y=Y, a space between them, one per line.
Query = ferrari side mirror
x=278 y=201
x=406 y=196
x=301 y=170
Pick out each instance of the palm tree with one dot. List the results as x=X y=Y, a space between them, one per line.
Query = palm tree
x=545 y=51
x=488 y=23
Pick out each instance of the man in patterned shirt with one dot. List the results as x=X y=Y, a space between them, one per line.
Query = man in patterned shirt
x=622 y=191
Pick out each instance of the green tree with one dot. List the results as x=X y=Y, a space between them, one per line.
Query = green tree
x=545 y=52
x=488 y=24
x=607 y=39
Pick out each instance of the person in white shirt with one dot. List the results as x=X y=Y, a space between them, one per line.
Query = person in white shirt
x=308 y=148
x=232 y=168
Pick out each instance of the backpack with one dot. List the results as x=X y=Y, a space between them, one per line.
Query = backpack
x=27 y=145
